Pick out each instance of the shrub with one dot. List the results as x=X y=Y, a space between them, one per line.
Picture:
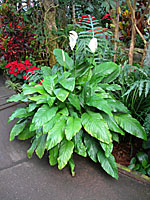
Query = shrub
x=74 y=111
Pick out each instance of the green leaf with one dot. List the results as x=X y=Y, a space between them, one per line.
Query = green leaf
x=130 y=125
x=95 y=125
x=16 y=98
x=64 y=111
x=49 y=125
x=19 y=113
x=113 y=126
x=44 y=98
x=73 y=126
x=56 y=134
x=78 y=143
x=115 y=137
x=26 y=134
x=53 y=155
x=65 y=153
x=48 y=84
x=110 y=87
x=112 y=77
x=74 y=101
x=61 y=94
x=99 y=103
x=43 y=115
x=31 y=107
x=32 y=148
x=92 y=147
x=117 y=106
x=107 y=148
x=68 y=83
x=33 y=89
x=17 y=129
x=72 y=166
x=41 y=146
x=59 y=57
x=46 y=71
x=105 y=68
x=143 y=158
x=108 y=164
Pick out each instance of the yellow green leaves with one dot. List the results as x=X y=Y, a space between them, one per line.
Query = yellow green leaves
x=95 y=125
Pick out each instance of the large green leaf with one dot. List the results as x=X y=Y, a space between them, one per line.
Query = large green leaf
x=65 y=153
x=31 y=107
x=68 y=83
x=111 y=77
x=43 y=115
x=48 y=84
x=113 y=126
x=107 y=148
x=95 y=125
x=53 y=155
x=16 y=98
x=49 y=125
x=26 y=134
x=130 y=125
x=19 y=113
x=44 y=98
x=92 y=147
x=41 y=146
x=99 y=103
x=33 y=89
x=74 y=101
x=61 y=94
x=78 y=143
x=56 y=134
x=46 y=70
x=17 y=129
x=73 y=126
x=117 y=106
x=108 y=164
x=59 y=57
x=105 y=68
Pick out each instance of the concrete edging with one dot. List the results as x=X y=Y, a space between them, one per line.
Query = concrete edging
x=133 y=174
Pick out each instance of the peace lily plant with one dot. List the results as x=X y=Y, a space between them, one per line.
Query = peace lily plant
x=70 y=114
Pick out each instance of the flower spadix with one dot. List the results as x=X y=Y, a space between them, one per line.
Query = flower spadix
x=73 y=36
x=93 y=45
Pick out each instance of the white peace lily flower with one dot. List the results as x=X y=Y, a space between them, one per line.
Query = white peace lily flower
x=73 y=36
x=63 y=55
x=93 y=44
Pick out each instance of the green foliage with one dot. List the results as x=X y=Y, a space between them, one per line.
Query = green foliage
x=74 y=112
x=140 y=163
x=90 y=28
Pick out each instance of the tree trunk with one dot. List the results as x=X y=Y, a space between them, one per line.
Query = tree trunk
x=131 y=50
x=49 y=17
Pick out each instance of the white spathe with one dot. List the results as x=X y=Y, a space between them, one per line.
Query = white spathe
x=63 y=55
x=73 y=36
x=93 y=45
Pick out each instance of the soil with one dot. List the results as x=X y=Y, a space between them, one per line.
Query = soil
x=124 y=151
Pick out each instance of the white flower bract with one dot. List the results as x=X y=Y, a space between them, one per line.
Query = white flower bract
x=93 y=45
x=63 y=56
x=73 y=36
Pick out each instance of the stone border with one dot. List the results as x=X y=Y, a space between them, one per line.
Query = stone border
x=133 y=174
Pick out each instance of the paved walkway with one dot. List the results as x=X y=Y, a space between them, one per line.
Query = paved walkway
x=35 y=179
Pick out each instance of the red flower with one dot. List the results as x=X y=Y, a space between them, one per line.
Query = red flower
x=107 y=16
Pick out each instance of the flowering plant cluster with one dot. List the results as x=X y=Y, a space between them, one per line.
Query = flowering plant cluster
x=20 y=70
x=16 y=36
